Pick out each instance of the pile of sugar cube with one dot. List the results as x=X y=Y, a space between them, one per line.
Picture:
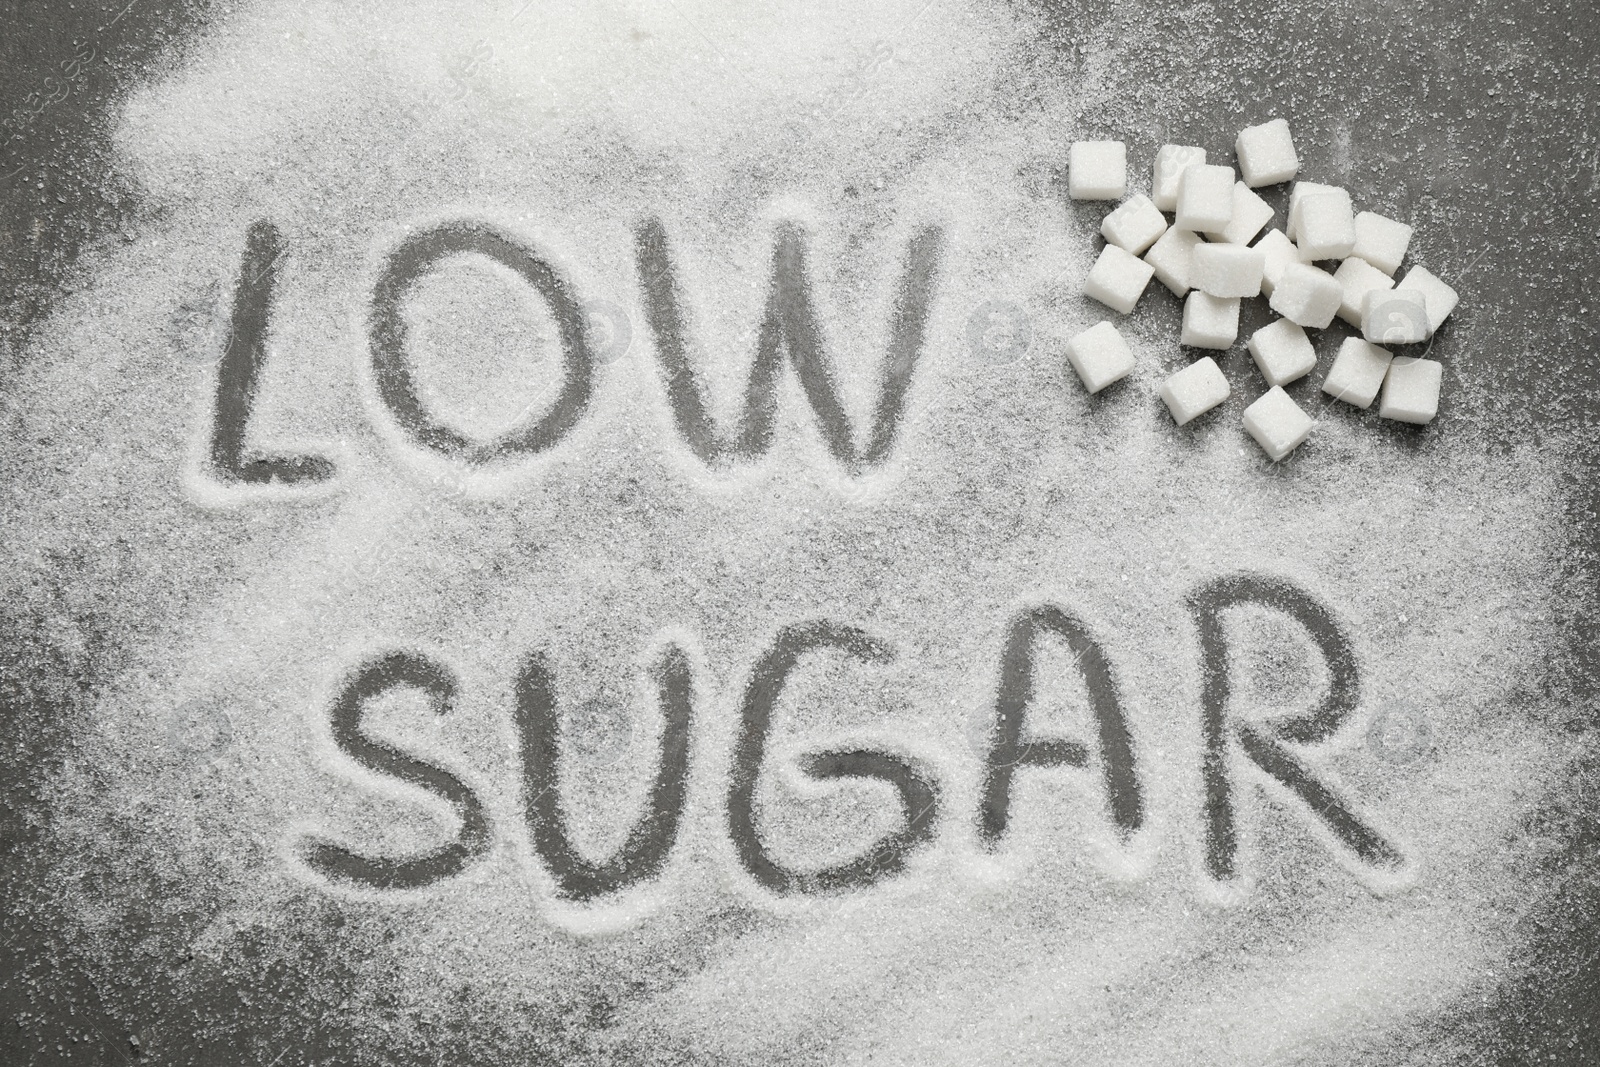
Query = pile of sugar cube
x=1208 y=254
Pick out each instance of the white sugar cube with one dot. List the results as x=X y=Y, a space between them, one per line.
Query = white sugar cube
x=1300 y=191
x=1441 y=299
x=1205 y=198
x=1171 y=160
x=1282 y=352
x=1100 y=356
x=1097 y=170
x=1357 y=278
x=1194 y=390
x=1306 y=295
x=1327 y=225
x=1277 y=423
x=1226 y=270
x=1210 y=321
x=1279 y=252
x=1117 y=279
x=1357 y=372
x=1381 y=241
x=1250 y=213
x=1396 y=317
x=1134 y=225
x=1266 y=154
x=1411 y=390
x=1171 y=258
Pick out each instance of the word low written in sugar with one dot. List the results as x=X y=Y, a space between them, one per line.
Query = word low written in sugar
x=1239 y=751
x=789 y=331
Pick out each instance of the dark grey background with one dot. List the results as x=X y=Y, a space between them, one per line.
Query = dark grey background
x=1477 y=122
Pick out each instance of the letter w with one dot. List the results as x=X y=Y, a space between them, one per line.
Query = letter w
x=789 y=328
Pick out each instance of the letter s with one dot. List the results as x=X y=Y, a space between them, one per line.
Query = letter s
x=371 y=680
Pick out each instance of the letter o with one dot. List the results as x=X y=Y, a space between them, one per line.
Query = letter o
x=397 y=385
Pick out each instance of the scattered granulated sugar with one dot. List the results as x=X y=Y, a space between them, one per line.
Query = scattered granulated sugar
x=208 y=756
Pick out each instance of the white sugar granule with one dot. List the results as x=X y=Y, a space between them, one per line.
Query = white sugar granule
x=1441 y=554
